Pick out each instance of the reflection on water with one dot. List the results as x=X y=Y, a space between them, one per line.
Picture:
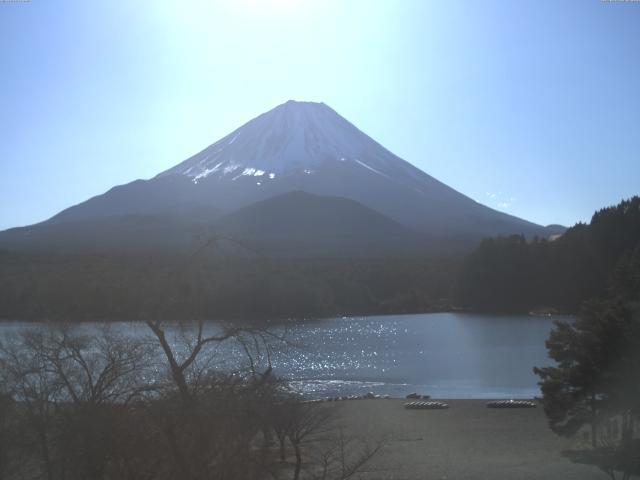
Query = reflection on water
x=446 y=355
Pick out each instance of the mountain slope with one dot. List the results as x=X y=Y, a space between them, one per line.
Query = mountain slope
x=117 y=233
x=297 y=146
x=294 y=224
x=301 y=224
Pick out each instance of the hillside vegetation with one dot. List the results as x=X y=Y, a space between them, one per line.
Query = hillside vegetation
x=92 y=287
x=513 y=274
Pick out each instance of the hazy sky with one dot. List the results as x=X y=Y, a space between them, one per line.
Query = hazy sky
x=528 y=107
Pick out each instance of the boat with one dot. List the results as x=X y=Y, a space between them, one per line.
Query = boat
x=511 y=404
x=426 y=405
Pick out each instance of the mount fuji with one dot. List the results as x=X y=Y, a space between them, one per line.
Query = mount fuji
x=298 y=179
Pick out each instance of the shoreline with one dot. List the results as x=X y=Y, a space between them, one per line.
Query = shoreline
x=279 y=321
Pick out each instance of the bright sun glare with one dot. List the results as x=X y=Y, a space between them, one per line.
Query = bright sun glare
x=276 y=7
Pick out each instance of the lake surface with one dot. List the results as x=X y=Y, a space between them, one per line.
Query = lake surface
x=446 y=355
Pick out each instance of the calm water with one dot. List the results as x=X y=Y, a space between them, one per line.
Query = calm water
x=446 y=355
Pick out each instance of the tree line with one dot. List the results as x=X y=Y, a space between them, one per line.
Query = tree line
x=513 y=274
x=111 y=287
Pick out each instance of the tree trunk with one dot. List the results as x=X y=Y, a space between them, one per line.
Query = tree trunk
x=178 y=458
x=594 y=421
x=296 y=473
x=282 y=456
x=627 y=427
x=177 y=372
x=46 y=457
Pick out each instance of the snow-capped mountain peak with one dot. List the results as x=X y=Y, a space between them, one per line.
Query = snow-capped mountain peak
x=292 y=138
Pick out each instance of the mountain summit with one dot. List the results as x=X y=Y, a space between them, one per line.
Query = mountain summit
x=293 y=138
x=295 y=147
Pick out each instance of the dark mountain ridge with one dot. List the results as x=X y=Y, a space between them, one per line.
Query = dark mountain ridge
x=299 y=224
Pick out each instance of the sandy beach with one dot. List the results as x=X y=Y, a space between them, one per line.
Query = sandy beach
x=466 y=441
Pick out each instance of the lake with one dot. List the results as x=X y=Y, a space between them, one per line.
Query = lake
x=445 y=355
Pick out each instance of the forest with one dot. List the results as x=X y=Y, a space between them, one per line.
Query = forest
x=103 y=288
x=514 y=274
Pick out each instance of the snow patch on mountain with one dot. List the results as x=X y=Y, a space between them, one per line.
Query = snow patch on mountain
x=370 y=168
